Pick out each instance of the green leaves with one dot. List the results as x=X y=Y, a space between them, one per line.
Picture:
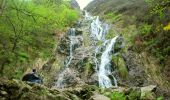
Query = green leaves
x=27 y=29
x=118 y=96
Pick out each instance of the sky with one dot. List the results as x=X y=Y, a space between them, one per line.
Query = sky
x=83 y=3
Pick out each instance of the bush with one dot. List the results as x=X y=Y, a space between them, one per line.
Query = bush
x=117 y=96
x=145 y=29
x=27 y=30
x=112 y=17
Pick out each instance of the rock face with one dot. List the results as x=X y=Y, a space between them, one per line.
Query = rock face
x=74 y=4
x=136 y=71
x=82 y=62
x=18 y=90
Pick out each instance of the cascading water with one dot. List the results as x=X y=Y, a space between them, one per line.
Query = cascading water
x=104 y=68
x=99 y=31
x=88 y=16
x=96 y=29
x=60 y=81
x=71 y=37
x=102 y=54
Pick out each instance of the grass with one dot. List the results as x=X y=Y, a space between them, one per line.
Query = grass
x=120 y=64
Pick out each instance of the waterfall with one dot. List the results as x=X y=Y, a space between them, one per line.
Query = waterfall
x=99 y=31
x=96 y=28
x=88 y=16
x=102 y=54
x=104 y=68
x=60 y=81
x=71 y=34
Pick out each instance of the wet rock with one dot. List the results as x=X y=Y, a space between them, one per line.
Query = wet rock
x=68 y=78
x=119 y=44
x=93 y=80
x=64 y=44
x=79 y=30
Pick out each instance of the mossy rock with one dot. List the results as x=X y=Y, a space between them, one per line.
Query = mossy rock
x=18 y=90
x=134 y=94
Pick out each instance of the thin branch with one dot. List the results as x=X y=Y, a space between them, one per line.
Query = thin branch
x=2 y=6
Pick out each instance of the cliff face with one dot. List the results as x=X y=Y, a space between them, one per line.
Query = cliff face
x=74 y=4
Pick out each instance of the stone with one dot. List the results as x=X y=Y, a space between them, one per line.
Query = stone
x=147 y=93
x=98 y=96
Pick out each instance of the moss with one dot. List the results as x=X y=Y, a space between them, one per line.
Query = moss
x=88 y=67
x=117 y=96
x=112 y=33
x=120 y=64
x=160 y=98
x=134 y=94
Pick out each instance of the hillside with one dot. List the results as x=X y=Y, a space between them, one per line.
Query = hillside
x=145 y=26
x=115 y=50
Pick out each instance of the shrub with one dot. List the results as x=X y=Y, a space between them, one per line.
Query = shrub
x=117 y=96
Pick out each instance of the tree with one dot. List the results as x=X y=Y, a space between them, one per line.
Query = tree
x=26 y=30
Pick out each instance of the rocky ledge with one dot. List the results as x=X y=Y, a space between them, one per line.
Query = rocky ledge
x=18 y=90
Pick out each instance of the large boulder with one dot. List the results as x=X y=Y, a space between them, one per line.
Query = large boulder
x=98 y=96
x=148 y=92
x=68 y=78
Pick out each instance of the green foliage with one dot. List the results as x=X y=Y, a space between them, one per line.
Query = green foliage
x=117 y=96
x=99 y=43
x=88 y=68
x=27 y=30
x=112 y=17
x=160 y=98
x=112 y=33
x=145 y=29
x=134 y=95
x=118 y=60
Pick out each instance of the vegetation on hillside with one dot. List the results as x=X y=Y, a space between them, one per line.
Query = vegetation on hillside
x=145 y=24
x=150 y=20
x=27 y=31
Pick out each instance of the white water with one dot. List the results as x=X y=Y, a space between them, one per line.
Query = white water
x=60 y=83
x=99 y=31
x=96 y=29
x=104 y=68
x=88 y=16
x=71 y=37
x=103 y=65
